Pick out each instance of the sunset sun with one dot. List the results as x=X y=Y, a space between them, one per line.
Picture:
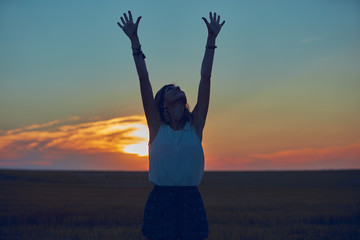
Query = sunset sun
x=139 y=148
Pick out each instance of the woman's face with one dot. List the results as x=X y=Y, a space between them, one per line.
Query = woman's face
x=173 y=94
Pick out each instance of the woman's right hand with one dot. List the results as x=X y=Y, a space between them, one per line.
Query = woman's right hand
x=128 y=26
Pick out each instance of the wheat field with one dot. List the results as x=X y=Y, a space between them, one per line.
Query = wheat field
x=240 y=205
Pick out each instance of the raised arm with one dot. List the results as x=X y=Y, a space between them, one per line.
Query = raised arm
x=202 y=105
x=151 y=112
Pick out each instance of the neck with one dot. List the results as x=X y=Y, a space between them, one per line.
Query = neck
x=176 y=112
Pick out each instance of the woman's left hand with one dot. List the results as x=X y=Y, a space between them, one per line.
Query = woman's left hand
x=129 y=27
x=214 y=26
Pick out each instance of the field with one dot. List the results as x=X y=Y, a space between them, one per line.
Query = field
x=239 y=205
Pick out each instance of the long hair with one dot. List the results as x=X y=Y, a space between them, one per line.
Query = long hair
x=164 y=115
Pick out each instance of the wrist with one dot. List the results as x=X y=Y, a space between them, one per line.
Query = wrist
x=136 y=48
x=135 y=42
x=211 y=41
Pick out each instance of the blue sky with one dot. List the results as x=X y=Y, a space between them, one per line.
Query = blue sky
x=73 y=55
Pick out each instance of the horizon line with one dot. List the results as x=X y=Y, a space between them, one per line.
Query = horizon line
x=209 y=171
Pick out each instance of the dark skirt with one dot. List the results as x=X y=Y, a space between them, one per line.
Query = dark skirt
x=175 y=212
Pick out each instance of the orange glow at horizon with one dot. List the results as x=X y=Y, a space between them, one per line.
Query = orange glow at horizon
x=122 y=143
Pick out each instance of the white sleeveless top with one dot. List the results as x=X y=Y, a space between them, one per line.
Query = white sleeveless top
x=176 y=158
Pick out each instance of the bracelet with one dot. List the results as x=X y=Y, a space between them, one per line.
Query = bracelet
x=211 y=47
x=137 y=52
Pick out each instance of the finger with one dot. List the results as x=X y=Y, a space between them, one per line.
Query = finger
x=138 y=20
x=222 y=23
x=122 y=20
x=206 y=21
x=218 y=19
x=120 y=25
x=126 y=18
x=130 y=16
x=214 y=16
x=210 y=15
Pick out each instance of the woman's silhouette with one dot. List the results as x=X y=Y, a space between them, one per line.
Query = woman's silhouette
x=174 y=209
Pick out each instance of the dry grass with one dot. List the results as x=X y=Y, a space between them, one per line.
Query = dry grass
x=240 y=205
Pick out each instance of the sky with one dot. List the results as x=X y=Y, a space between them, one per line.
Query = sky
x=284 y=94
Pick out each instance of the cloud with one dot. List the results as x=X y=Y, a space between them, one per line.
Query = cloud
x=334 y=157
x=48 y=140
x=345 y=156
x=311 y=39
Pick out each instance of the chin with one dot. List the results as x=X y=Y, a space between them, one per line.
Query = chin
x=179 y=97
x=183 y=97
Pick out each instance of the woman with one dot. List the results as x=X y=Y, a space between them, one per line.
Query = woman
x=174 y=209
